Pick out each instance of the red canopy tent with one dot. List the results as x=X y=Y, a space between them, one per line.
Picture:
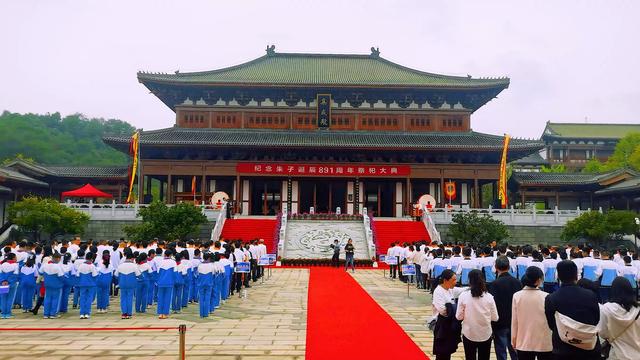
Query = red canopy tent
x=86 y=191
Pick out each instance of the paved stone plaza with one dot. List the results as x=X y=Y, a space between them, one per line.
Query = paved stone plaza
x=269 y=324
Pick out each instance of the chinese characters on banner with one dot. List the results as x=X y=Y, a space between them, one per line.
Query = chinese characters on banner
x=323 y=169
x=324 y=110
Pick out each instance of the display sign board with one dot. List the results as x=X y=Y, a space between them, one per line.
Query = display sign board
x=272 y=259
x=243 y=267
x=289 y=169
x=408 y=269
x=382 y=258
x=324 y=110
x=264 y=260
x=392 y=260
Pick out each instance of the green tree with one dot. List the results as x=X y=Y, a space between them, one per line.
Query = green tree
x=51 y=139
x=626 y=154
x=557 y=168
x=593 y=166
x=170 y=223
x=477 y=230
x=596 y=227
x=48 y=216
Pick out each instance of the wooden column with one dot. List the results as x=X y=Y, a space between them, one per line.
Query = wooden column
x=203 y=188
x=476 y=191
x=162 y=190
x=407 y=197
x=442 y=201
x=169 y=190
x=557 y=199
x=522 y=197
x=238 y=199
x=149 y=180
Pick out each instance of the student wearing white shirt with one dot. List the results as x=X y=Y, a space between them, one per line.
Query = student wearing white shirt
x=424 y=266
x=476 y=309
x=456 y=258
x=610 y=270
x=550 y=274
x=393 y=269
x=630 y=272
x=465 y=266
x=445 y=340
x=591 y=267
x=523 y=261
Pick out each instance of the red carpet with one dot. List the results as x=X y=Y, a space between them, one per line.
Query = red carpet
x=249 y=229
x=344 y=322
x=386 y=232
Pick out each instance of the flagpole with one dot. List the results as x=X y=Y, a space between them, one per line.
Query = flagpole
x=139 y=169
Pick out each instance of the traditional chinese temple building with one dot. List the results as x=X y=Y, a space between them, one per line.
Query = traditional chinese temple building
x=322 y=131
x=574 y=144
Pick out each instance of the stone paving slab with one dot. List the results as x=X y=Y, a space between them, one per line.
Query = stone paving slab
x=410 y=312
x=269 y=324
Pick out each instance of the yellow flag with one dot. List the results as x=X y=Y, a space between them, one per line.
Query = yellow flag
x=502 y=182
x=133 y=151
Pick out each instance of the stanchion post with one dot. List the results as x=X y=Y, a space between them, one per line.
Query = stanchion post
x=408 y=286
x=182 y=330
x=262 y=277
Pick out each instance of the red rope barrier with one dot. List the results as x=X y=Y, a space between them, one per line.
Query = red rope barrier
x=90 y=329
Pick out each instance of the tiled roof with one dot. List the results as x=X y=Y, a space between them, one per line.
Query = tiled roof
x=327 y=139
x=15 y=176
x=532 y=159
x=541 y=178
x=299 y=69
x=632 y=184
x=90 y=171
x=589 y=131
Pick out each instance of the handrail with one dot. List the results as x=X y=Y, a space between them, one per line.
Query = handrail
x=282 y=230
x=434 y=234
x=217 y=228
x=367 y=222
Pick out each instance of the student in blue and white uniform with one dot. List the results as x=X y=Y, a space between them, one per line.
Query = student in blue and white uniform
x=187 y=277
x=218 y=282
x=28 y=276
x=523 y=261
x=53 y=274
x=487 y=263
x=630 y=272
x=610 y=270
x=105 y=275
x=178 y=283
x=9 y=276
x=143 y=283
x=195 y=263
x=80 y=258
x=166 y=281
x=205 y=284
x=465 y=266
x=591 y=269
x=550 y=262
x=127 y=274
x=86 y=284
x=227 y=265
x=69 y=282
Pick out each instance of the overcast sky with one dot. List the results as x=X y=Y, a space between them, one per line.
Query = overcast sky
x=569 y=61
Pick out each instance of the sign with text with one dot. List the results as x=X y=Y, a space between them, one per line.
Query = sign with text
x=286 y=169
x=264 y=260
x=243 y=267
x=324 y=110
x=272 y=259
x=392 y=260
x=408 y=270
x=382 y=258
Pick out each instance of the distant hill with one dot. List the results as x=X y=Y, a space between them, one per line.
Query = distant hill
x=50 y=139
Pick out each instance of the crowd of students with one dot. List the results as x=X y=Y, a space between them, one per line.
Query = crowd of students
x=170 y=274
x=544 y=302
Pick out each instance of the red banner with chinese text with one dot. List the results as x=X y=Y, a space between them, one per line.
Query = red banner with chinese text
x=323 y=169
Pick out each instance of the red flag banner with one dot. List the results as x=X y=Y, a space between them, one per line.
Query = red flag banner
x=450 y=190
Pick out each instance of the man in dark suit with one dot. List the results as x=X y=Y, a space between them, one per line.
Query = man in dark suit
x=502 y=290
x=577 y=303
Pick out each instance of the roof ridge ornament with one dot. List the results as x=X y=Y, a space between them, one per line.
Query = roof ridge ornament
x=271 y=50
x=375 y=52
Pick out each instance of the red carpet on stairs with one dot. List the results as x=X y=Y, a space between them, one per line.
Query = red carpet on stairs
x=386 y=232
x=249 y=229
x=344 y=322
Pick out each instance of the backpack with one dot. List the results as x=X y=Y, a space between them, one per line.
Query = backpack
x=575 y=333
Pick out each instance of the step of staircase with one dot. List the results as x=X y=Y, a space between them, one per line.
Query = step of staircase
x=246 y=229
x=387 y=232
